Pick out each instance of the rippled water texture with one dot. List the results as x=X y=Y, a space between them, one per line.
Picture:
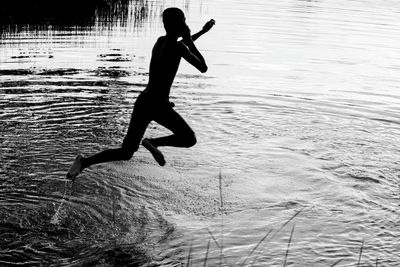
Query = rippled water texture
x=297 y=121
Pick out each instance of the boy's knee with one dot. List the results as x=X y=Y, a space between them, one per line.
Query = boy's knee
x=127 y=154
x=190 y=139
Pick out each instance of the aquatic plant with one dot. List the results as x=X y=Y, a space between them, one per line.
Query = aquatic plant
x=288 y=246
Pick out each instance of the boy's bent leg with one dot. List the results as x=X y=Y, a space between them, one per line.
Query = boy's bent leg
x=183 y=135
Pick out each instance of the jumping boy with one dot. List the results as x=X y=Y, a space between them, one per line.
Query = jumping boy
x=153 y=103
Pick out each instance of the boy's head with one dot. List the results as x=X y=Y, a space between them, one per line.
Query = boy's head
x=174 y=21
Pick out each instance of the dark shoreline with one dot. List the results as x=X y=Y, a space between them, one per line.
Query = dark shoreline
x=41 y=15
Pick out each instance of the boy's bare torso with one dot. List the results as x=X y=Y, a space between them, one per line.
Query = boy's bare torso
x=164 y=64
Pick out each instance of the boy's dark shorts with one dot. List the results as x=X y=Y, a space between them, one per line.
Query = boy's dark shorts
x=145 y=110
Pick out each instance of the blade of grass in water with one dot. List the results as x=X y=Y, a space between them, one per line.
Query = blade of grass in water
x=254 y=249
x=336 y=263
x=189 y=255
x=288 y=221
x=206 y=257
x=283 y=225
x=220 y=190
x=219 y=246
x=221 y=253
x=288 y=246
x=213 y=238
x=359 y=257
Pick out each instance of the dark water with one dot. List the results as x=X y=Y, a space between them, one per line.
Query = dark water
x=297 y=125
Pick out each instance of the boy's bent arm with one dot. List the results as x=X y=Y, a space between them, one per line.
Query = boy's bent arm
x=192 y=55
x=194 y=37
x=197 y=35
x=209 y=24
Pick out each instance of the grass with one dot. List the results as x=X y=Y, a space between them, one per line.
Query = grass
x=220 y=191
x=254 y=253
x=206 y=256
x=189 y=255
x=288 y=246
x=255 y=248
x=221 y=254
x=359 y=257
x=220 y=245
x=336 y=263
x=223 y=262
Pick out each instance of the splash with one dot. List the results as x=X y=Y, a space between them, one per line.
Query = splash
x=57 y=217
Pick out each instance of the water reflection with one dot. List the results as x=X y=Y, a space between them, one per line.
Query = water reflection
x=49 y=15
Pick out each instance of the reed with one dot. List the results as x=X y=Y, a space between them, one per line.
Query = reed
x=117 y=234
x=213 y=238
x=289 y=220
x=361 y=250
x=206 y=256
x=220 y=245
x=221 y=253
x=220 y=191
x=189 y=255
x=288 y=246
x=113 y=210
x=262 y=240
x=254 y=249
x=280 y=228
x=336 y=263
x=222 y=258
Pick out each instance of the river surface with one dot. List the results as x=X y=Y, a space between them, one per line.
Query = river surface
x=297 y=121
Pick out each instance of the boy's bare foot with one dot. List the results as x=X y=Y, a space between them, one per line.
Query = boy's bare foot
x=75 y=169
x=157 y=155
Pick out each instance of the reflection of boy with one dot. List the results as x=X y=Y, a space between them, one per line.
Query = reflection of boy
x=153 y=103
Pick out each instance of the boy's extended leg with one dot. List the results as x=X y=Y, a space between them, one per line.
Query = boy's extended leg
x=107 y=155
x=130 y=145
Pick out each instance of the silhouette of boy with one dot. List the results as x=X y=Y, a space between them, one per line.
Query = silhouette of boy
x=153 y=103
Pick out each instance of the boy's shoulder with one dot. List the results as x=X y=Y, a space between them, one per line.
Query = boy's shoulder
x=161 y=38
x=177 y=45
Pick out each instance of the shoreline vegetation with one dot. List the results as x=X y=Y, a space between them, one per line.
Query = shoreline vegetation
x=49 y=15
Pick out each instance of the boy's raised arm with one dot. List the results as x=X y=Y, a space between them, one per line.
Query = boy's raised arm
x=190 y=53
x=209 y=24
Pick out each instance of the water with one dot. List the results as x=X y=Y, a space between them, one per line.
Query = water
x=298 y=112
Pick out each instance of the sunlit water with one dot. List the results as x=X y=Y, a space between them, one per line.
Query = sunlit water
x=297 y=123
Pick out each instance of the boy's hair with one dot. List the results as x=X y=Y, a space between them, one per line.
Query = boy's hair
x=171 y=17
